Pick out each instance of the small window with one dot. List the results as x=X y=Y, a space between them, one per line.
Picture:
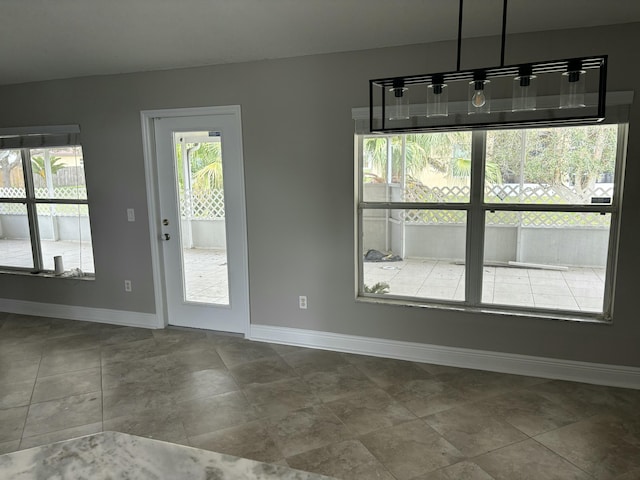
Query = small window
x=517 y=220
x=44 y=211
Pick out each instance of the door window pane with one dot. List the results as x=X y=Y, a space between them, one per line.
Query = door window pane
x=553 y=260
x=15 y=243
x=571 y=165
x=200 y=182
x=415 y=253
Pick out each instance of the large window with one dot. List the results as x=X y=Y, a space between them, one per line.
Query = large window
x=43 y=204
x=507 y=220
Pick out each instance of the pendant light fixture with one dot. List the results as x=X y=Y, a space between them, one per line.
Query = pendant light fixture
x=437 y=97
x=548 y=92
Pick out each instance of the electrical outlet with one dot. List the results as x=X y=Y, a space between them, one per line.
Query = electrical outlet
x=127 y=285
x=302 y=302
x=131 y=215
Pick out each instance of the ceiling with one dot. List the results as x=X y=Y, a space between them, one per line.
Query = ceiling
x=48 y=39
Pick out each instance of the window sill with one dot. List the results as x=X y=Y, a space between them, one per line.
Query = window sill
x=502 y=310
x=25 y=273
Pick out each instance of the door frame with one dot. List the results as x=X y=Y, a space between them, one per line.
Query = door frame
x=147 y=118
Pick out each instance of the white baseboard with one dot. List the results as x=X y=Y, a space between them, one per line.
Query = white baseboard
x=87 y=314
x=596 y=373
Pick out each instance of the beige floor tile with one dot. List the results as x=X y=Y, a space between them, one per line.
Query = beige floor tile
x=347 y=460
x=529 y=460
x=601 y=445
x=411 y=449
x=63 y=413
x=66 y=384
x=473 y=431
x=306 y=429
x=465 y=470
x=59 y=435
x=370 y=410
x=250 y=440
x=12 y=423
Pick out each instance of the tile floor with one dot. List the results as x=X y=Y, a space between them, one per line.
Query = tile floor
x=349 y=416
x=577 y=289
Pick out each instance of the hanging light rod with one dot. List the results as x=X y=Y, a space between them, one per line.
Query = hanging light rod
x=546 y=92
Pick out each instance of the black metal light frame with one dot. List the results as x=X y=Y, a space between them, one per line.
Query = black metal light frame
x=505 y=118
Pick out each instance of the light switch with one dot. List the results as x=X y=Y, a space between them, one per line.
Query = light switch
x=131 y=215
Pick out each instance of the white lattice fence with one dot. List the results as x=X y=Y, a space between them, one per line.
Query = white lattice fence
x=508 y=193
x=202 y=205
x=45 y=209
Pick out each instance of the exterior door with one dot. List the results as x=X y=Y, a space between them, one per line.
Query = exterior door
x=203 y=228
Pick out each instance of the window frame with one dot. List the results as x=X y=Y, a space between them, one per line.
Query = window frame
x=31 y=203
x=476 y=209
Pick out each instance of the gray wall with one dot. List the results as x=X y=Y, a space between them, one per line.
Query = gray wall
x=298 y=147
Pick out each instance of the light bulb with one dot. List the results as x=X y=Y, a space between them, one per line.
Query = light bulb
x=478 y=100
x=479 y=94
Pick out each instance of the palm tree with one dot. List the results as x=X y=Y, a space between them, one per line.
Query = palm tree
x=433 y=150
x=208 y=157
x=38 y=165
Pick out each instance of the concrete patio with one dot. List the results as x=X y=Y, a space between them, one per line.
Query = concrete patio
x=580 y=289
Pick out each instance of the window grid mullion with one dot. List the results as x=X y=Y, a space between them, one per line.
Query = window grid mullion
x=32 y=214
x=475 y=221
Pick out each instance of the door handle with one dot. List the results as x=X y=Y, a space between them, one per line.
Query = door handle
x=167 y=236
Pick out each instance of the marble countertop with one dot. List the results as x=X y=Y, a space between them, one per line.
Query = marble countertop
x=113 y=455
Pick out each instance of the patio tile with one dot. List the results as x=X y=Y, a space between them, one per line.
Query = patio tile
x=590 y=304
x=555 y=301
x=517 y=299
x=502 y=287
x=441 y=282
x=440 y=293
x=545 y=289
